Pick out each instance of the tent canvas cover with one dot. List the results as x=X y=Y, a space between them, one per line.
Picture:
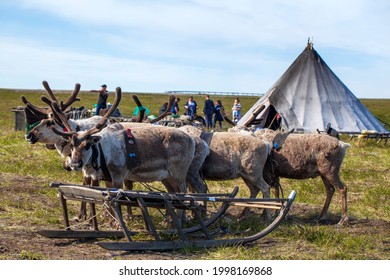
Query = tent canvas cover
x=308 y=96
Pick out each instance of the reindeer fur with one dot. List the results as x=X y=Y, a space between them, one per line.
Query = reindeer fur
x=304 y=156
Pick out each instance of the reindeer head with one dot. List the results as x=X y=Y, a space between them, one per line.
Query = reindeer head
x=83 y=151
x=81 y=143
x=43 y=133
x=39 y=120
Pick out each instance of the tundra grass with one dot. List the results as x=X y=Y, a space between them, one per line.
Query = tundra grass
x=365 y=172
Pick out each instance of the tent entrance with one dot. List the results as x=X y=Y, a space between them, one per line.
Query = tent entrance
x=273 y=119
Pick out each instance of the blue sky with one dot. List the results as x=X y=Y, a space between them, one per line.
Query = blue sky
x=156 y=46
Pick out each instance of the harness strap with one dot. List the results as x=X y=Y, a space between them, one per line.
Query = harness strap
x=103 y=165
x=93 y=162
x=93 y=159
x=63 y=145
x=29 y=127
x=132 y=158
x=279 y=140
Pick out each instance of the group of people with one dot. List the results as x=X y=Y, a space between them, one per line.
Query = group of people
x=211 y=110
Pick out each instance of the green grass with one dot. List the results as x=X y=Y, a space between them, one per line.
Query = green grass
x=365 y=172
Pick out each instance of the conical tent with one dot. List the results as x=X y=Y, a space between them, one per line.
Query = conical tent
x=307 y=97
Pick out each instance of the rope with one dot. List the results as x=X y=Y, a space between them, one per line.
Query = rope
x=86 y=221
x=150 y=187
x=107 y=207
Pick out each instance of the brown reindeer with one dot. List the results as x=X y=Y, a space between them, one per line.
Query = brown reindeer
x=303 y=156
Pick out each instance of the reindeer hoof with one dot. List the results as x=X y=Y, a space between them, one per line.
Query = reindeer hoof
x=343 y=221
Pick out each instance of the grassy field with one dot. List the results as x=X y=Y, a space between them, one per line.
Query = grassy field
x=28 y=204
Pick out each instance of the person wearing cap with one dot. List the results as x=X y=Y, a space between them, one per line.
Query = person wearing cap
x=102 y=101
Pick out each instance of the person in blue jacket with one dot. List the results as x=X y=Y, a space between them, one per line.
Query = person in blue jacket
x=191 y=107
x=218 y=115
x=175 y=108
x=208 y=112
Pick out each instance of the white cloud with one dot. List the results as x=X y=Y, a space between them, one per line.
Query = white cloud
x=218 y=45
x=359 y=25
x=29 y=62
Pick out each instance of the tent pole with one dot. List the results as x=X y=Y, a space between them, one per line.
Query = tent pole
x=254 y=115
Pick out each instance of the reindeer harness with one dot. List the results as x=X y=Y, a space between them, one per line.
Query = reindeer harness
x=132 y=159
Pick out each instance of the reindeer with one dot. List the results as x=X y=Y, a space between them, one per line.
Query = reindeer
x=41 y=132
x=44 y=134
x=162 y=154
x=303 y=156
x=201 y=150
x=157 y=153
x=233 y=155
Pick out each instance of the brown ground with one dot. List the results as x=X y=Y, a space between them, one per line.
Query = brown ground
x=19 y=240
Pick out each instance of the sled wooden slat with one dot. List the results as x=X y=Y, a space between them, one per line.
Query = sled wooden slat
x=93 y=234
x=83 y=194
x=255 y=205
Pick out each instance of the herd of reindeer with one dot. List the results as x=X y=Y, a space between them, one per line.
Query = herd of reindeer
x=121 y=153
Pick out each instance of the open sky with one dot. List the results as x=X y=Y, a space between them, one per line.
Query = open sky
x=221 y=45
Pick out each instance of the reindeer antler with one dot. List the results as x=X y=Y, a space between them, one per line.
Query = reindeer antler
x=103 y=122
x=95 y=129
x=49 y=91
x=167 y=111
x=73 y=98
x=34 y=113
x=35 y=109
x=226 y=118
x=64 y=105
x=61 y=115
x=139 y=105
x=136 y=100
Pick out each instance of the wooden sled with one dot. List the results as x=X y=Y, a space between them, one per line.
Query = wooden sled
x=171 y=202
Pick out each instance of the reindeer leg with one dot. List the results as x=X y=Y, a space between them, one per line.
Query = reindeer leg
x=82 y=215
x=254 y=190
x=253 y=193
x=196 y=185
x=172 y=186
x=265 y=189
x=344 y=217
x=276 y=187
x=128 y=185
x=95 y=183
x=114 y=223
x=336 y=182
x=329 y=194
